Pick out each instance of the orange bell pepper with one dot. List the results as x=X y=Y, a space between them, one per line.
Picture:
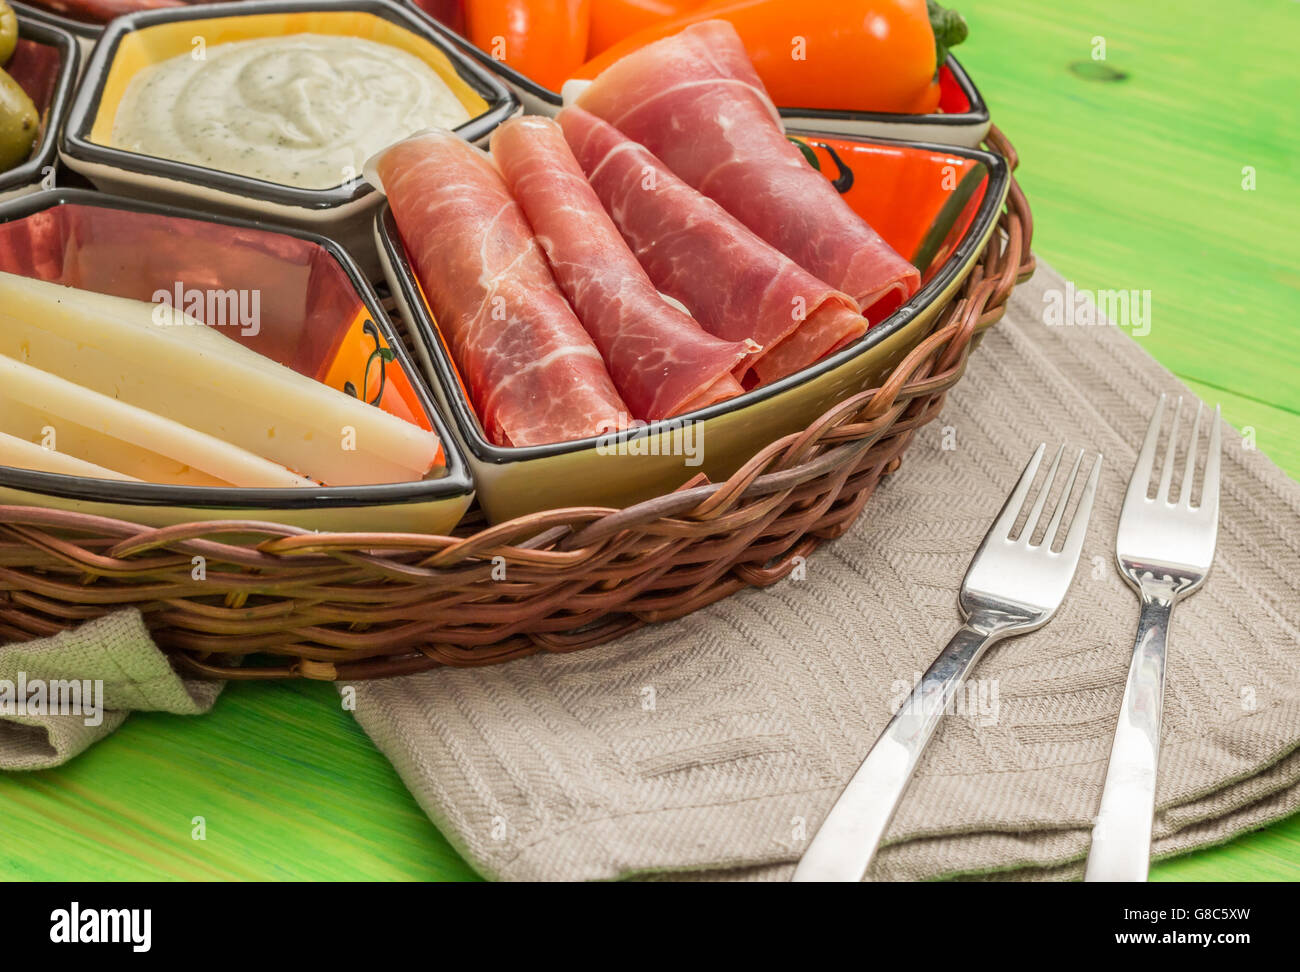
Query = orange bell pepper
x=545 y=40
x=612 y=20
x=858 y=55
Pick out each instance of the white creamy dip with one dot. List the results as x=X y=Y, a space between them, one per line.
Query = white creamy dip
x=302 y=110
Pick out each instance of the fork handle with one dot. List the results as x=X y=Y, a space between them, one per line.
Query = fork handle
x=847 y=839
x=1121 y=836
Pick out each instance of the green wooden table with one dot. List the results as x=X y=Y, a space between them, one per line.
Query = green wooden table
x=1135 y=168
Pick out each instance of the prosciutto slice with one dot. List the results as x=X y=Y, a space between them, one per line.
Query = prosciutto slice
x=533 y=374
x=661 y=360
x=695 y=101
x=733 y=283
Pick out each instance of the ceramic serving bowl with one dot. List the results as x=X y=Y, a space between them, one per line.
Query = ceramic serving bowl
x=44 y=64
x=343 y=212
x=936 y=204
x=317 y=315
x=962 y=118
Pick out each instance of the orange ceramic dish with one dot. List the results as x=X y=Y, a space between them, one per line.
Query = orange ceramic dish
x=136 y=42
x=936 y=205
x=315 y=314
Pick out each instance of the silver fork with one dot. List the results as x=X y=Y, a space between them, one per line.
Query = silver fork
x=1011 y=587
x=1164 y=549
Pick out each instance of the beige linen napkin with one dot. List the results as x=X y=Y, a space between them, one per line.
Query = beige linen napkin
x=713 y=746
x=115 y=667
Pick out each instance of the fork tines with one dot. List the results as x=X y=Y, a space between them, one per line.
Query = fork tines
x=1139 y=485
x=1010 y=514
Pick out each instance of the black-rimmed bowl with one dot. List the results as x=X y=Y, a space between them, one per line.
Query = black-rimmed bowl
x=44 y=64
x=319 y=317
x=344 y=211
x=957 y=194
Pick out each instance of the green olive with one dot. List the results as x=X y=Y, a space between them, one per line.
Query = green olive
x=8 y=32
x=19 y=123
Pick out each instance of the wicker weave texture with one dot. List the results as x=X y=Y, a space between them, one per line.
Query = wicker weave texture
x=277 y=602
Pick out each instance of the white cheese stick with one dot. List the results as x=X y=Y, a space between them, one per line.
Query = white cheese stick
x=28 y=455
x=21 y=383
x=42 y=427
x=162 y=360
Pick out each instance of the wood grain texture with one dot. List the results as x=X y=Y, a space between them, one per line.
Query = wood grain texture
x=1136 y=184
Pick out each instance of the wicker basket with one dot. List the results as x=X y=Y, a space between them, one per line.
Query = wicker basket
x=278 y=602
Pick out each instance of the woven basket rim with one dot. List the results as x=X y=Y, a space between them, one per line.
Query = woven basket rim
x=290 y=602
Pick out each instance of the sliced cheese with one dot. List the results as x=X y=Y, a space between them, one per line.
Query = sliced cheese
x=28 y=455
x=162 y=360
x=21 y=383
x=38 y=424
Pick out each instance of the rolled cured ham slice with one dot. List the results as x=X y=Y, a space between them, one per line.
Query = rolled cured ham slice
x=533 y=374
x=733 y=283
x=662 y=362
x=695 y=101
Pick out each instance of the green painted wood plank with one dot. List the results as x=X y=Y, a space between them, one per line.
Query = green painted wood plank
x=1268 y=428
x=1135 y=183
x=287 y=783
x=1138 y=184
x=1271 y=854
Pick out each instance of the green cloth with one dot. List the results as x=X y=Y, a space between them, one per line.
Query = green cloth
x=115 y=650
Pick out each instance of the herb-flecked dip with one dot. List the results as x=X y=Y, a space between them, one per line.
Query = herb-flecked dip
x=302 y=110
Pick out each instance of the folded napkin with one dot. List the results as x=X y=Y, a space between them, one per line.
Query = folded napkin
x=713 y=746
x=59 y=695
